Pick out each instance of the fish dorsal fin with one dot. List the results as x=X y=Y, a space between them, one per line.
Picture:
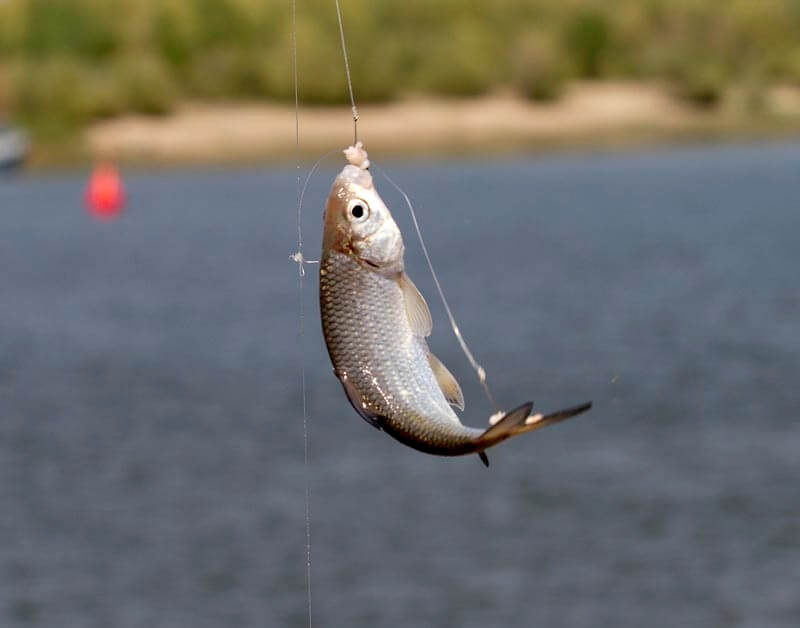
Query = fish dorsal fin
x=419 y=316
x=448 y=384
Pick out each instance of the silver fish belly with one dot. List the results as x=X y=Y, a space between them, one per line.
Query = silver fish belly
x=383 y=366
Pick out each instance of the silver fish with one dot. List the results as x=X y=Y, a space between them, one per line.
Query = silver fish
x=375 y=322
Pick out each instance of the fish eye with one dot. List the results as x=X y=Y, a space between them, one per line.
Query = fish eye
x=358 y=210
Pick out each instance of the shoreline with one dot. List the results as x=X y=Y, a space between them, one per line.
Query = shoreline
x=589 y=115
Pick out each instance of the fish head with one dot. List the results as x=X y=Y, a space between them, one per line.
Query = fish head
x=358 y=223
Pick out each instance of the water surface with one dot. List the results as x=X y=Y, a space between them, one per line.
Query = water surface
x=151 y=433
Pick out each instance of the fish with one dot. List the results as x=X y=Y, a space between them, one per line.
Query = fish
x=375 y=323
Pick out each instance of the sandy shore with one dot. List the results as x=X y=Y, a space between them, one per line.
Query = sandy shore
x=588 y=114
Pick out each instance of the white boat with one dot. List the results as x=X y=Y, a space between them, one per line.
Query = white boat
x=14 y=146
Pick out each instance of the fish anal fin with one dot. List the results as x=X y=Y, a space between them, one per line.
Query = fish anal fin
x=419 y=316
x=448 y=384
x=356 y=400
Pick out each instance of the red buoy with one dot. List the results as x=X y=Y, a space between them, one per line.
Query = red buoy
x=105 y=192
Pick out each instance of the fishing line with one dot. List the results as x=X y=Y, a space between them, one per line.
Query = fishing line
x=298 y=256
x=301 y=331
x=301 y=262
x=347 y=71
x=481 y=372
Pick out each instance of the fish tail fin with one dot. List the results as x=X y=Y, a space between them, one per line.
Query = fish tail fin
x=536 y=421
x=520 y=420
x=507 y=425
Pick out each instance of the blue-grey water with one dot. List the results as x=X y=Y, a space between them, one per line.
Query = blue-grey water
x=151 y=426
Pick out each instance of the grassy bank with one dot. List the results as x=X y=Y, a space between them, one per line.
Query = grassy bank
x=68 y=62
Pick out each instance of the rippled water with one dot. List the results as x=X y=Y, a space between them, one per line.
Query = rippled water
x=151 y=439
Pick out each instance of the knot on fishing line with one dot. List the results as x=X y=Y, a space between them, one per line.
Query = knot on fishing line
x=298 y=257
x=302 y=261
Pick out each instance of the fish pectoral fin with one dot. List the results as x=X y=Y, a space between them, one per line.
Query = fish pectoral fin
x=484 y=458
x=448 y=384
x=355 y=399
x=419 y=316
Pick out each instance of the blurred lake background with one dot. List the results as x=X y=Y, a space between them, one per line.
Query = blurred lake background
x=151 y=441
x=151 y=426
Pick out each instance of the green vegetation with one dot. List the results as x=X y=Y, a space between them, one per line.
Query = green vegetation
x=64 y=63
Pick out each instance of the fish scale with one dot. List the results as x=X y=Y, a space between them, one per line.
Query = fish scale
x=371 y=343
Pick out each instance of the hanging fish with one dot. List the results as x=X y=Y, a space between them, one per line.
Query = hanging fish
x=375 y=322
